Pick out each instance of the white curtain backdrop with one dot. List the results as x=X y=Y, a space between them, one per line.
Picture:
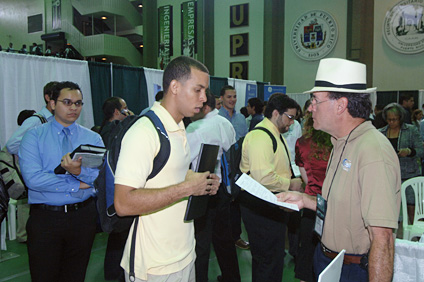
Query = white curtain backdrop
x=240 y=86
x=420 y=98
x=22 y=78
x=300 y=98
x=153 y=77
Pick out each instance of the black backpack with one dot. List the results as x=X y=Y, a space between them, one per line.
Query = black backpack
x=230 y=163
x=11 y=172
x=4 y=200
x=105 y=182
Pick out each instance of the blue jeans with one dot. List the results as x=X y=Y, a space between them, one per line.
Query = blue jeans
x=350 y=272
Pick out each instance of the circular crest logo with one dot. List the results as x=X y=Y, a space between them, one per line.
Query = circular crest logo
x=403 y=28
x=314 y=35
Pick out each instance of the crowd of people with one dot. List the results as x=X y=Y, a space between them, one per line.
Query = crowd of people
x=300 y=156
x=37 y=50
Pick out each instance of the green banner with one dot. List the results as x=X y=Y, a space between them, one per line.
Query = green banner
x=189 y=29
x=56 y=14
x=165 y=35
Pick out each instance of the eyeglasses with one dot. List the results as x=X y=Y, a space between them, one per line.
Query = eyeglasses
x=315 y=102
x=291 y=117
x=69 y=103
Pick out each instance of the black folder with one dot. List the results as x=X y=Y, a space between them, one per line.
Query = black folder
x=197 y=205
x=95 y=153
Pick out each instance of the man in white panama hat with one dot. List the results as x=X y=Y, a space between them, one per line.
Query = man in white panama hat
x=360 y=200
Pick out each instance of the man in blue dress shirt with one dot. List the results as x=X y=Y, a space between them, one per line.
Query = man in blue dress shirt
x=62 y=221
x=12 y=145
x=229 y=100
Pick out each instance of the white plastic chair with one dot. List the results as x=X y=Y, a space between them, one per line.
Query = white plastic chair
x=11 y=219
x=417 y=228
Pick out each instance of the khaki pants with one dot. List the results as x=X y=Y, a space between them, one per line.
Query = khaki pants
x=22 y=208
x=187 y=274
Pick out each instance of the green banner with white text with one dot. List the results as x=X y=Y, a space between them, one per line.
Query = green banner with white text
x=165 y=35
x=189 y=29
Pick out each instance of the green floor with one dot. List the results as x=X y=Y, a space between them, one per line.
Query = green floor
x=16 y=269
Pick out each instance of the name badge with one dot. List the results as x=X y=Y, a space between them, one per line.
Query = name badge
x=320 y=216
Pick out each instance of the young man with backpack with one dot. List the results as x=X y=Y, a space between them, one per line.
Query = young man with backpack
x=164 y=243
x=266 y=223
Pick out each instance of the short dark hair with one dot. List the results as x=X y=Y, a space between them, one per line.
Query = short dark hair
x=280 y=102
x=47 y=90
x=159 y=96
x=257 y=103
x=405 y=97
x=359 y=104
x=244 y=112
x=109 y=106
x=63 y=85
x=210 y=99
x=225 y=88
x=180 y=70
x=23 y=115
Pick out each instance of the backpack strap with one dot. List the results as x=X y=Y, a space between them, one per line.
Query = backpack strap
x=274 y=142
x=132 y=250
x=42 y=118
x=158 y=163
x=165 y=146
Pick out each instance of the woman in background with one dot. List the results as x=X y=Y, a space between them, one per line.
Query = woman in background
x=312 y=154
x=417 y=116
x=407 y=143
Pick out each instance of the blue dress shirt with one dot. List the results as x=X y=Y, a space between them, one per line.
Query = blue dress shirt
x=13 y=143
x=40 y=153
x=237 y=120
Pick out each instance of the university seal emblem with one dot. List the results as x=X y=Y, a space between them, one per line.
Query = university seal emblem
x=314 y=35
x=403 y=28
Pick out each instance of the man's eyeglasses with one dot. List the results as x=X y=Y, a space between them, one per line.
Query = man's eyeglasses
x=315 y=101
x=291 y=117
x=69 y=103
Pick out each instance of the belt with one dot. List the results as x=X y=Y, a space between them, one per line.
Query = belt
x=348 y=259
x=64 y=208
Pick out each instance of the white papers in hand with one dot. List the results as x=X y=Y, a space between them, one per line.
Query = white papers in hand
x=256 y=189
x=89 y=159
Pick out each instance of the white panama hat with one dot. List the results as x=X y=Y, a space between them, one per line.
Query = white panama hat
x=340 y=75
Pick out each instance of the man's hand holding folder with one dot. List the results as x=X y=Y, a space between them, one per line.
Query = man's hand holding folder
x=85 y=155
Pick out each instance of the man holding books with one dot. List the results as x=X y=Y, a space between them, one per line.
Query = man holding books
x=164 y=244
x=62 y=221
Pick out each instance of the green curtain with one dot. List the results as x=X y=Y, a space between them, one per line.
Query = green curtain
x=216 y=83
x=129 y=83
x=100 y=78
